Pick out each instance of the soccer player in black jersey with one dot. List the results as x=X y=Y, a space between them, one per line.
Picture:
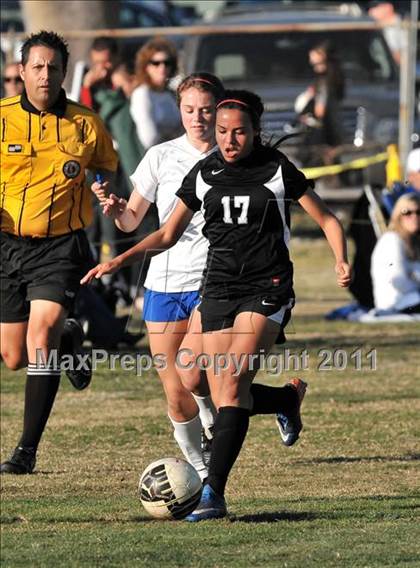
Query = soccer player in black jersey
x=244 y=191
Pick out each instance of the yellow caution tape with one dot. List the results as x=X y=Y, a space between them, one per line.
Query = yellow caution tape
x=393 y=166
x=359 y=163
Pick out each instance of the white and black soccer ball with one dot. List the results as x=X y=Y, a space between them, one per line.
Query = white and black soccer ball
x=170 y=488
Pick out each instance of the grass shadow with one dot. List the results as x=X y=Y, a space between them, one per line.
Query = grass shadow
x=347 y=341
x=358 y=459
x=276 y=517
x=12 y=520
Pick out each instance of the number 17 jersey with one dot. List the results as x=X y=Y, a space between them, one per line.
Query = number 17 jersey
x=247 y=221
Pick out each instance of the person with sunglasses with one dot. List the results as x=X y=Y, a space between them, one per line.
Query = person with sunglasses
x=153 y=106
x=12 y=81
x=395 y=266
x=244 y=191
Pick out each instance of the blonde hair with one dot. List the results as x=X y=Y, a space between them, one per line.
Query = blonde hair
x=144 y=55
x=411 y=241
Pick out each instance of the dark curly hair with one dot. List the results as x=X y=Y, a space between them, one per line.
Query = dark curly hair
x=246 y=101
x=251 y=104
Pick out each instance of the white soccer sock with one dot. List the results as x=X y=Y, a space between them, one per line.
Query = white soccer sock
x=206 y=409
x=188 y=437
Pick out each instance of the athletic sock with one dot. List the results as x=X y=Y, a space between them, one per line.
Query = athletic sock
x=206 y=409
x=188 y=437
x=42 y=384
x=269 y=400
x=229 y=434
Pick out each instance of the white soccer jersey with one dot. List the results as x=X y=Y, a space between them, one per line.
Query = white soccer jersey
x=158 y=176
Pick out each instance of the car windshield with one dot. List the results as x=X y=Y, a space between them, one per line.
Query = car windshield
x=254 y=57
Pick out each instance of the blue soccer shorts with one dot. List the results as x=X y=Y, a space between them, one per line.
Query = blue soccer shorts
x=169 y=306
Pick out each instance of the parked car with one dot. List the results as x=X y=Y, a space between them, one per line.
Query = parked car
x=141 y=14
x=276 y=66
x=133 y=14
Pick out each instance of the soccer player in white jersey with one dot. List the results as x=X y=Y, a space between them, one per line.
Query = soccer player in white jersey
x=244 y=191
x=174 y=276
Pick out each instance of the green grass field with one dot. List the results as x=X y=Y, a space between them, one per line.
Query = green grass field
x=346 y=495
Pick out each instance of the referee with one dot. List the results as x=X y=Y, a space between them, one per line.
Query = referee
x=47 y=142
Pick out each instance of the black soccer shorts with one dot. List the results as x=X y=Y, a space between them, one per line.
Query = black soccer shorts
x=41 y=269
x=218 y=314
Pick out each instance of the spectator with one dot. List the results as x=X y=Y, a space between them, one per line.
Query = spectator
x=318 y=105
x=390 y=197
x=124 y=77
x=413 y=169
x=12 y=81
x=153 y=105
x=395 y=267
x=384 y=13
x=96 y=87
x=365 y=239
x=103 y=55
x=115 y=112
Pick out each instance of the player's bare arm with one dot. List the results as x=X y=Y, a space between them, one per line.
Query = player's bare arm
x=127 y=214
x=333 y=231
x=159 y=241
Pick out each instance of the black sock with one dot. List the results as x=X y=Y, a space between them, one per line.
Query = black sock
x=229 y=434
x=66 y=342
x=269 y=400
x=41 y=387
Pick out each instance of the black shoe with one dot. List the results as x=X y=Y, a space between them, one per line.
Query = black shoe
x=290 y=424
x=206 y=443
x=72 y=344
x=22 y=461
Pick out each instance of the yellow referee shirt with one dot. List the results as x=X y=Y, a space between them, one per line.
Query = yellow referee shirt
x=43 y=160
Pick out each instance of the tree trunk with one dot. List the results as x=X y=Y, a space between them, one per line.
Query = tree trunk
x=65 y=15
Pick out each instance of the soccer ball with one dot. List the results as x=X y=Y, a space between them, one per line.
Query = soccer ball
x=170 y=488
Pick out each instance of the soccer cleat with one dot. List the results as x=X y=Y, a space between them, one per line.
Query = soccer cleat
x=290 y=423
x=206 y=442
x=72 y=344
x=22 y=462
x=211 y=506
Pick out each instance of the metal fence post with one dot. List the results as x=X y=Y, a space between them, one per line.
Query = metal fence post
x=407 y=85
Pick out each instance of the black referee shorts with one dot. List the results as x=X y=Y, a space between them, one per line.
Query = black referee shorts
x=41 y=269
x=218 y=314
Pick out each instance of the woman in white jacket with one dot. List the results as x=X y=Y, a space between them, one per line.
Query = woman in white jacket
x=395 y=265
x=153 y=106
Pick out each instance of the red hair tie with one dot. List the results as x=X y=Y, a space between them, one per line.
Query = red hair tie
x=232 y=101
x=203 y=80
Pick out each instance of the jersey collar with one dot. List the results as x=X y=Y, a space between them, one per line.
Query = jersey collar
x=192 y=150
x=58 y=108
